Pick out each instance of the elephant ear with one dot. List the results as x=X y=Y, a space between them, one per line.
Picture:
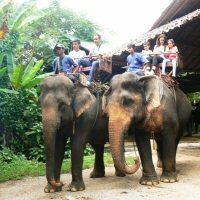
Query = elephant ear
x=82 y=98
x=105 y=101
x=152 y=92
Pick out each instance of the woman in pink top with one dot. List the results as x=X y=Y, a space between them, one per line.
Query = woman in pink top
x=171 y=48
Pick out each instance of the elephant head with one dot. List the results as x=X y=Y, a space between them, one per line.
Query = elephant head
x=62 y=103
x=128 y=100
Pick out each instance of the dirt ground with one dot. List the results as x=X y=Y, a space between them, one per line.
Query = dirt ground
x=125 y=188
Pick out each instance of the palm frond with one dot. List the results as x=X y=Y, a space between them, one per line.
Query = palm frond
x=36 y=81
x=32 y=73
x=1 y=58
x=2 y=71
x=17 y=77
x=28 y=69
x=9 y=91
x=20 y=11
x=27 y=20
x=10 y=63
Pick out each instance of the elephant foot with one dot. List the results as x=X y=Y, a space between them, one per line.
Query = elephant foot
x=118 y=173
x=159 y=164
x=149 y=180
x=50 y=189
x=169 y=177
x=97 y=173
x=76 y=186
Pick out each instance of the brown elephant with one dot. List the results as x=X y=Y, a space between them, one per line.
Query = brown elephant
x=148 y=105
x=71 y=111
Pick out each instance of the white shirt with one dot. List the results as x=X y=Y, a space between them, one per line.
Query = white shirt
x=159 y=50
x=98 y=50
x=77 y=54
x=146 y=53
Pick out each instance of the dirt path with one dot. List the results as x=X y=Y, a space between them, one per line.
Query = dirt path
x=111 y=187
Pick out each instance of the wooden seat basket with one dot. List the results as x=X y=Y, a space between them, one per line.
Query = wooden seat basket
x=179 y=66
x=103 y=71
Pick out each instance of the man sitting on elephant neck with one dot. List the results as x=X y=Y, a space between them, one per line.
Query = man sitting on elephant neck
x=136 y=62
x=63 y=64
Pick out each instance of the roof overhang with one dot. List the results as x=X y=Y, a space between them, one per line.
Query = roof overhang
x=185 y=32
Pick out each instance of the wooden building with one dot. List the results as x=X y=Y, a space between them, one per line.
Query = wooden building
x=179 y=21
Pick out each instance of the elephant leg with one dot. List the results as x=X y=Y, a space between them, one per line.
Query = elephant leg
x=99 y=168
x=169 y=174
x=149 y=176
x=159 y=153
x=78 y=144
x=60 y=145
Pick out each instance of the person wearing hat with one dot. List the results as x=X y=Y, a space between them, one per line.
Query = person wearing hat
x=63 y=63
x=135 y=61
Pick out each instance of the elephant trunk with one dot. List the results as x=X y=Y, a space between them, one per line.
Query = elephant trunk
x=51 y=123
x=118 y=126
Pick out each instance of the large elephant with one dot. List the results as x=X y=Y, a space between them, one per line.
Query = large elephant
x=71 y=111
x=154 y=110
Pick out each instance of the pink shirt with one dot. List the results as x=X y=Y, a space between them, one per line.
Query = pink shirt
x=171 y=56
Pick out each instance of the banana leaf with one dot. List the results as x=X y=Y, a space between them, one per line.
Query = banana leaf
x=32 y=73
x=17 y=77
x=3 y=4
x=21 y=9
x=36 y=81
x=1 y=58
x=2 y=71
x=28 y=69
x=25 y=20
x=10 y=63
x=9 y=91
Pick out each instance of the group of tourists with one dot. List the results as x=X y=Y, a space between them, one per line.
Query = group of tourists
x=143 y=63
x=69 y=64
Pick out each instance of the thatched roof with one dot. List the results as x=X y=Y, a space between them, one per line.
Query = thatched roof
x=175 y=10
x=185 y=32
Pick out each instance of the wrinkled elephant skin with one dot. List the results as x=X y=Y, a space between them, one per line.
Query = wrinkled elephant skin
x=149 y=106
x=69 y=111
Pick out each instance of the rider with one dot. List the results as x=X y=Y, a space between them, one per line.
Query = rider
x=63 y=63
x=98 y=49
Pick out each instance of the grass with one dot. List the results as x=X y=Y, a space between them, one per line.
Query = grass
x=21 y=168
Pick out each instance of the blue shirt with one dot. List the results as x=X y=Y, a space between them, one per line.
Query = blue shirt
x=67 y=63
x=136 y=62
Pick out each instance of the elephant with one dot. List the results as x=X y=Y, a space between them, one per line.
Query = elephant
x=71 y=111
x=196 y=115
x=154 y=111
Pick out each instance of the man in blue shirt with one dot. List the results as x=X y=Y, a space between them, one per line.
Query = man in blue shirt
x=63 y=63
x=136 y=62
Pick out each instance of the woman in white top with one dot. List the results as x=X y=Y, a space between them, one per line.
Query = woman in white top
x=159 y=48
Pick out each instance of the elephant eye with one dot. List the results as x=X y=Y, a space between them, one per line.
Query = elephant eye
x=127 y=102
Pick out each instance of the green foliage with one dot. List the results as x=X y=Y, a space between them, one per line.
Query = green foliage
x=37 y=153
x=20 y=167
x=8 y=91
x=17 y=77
x=11 y=64
x=7 y=156
x=2 y=71
x=88 y=150
x=32 y=73
x=19 y=116
x=193 y=97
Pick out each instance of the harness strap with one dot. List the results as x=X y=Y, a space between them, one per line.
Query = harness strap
x=97 y=112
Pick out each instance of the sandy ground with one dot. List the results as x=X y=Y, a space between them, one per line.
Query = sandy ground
x=125 y=188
